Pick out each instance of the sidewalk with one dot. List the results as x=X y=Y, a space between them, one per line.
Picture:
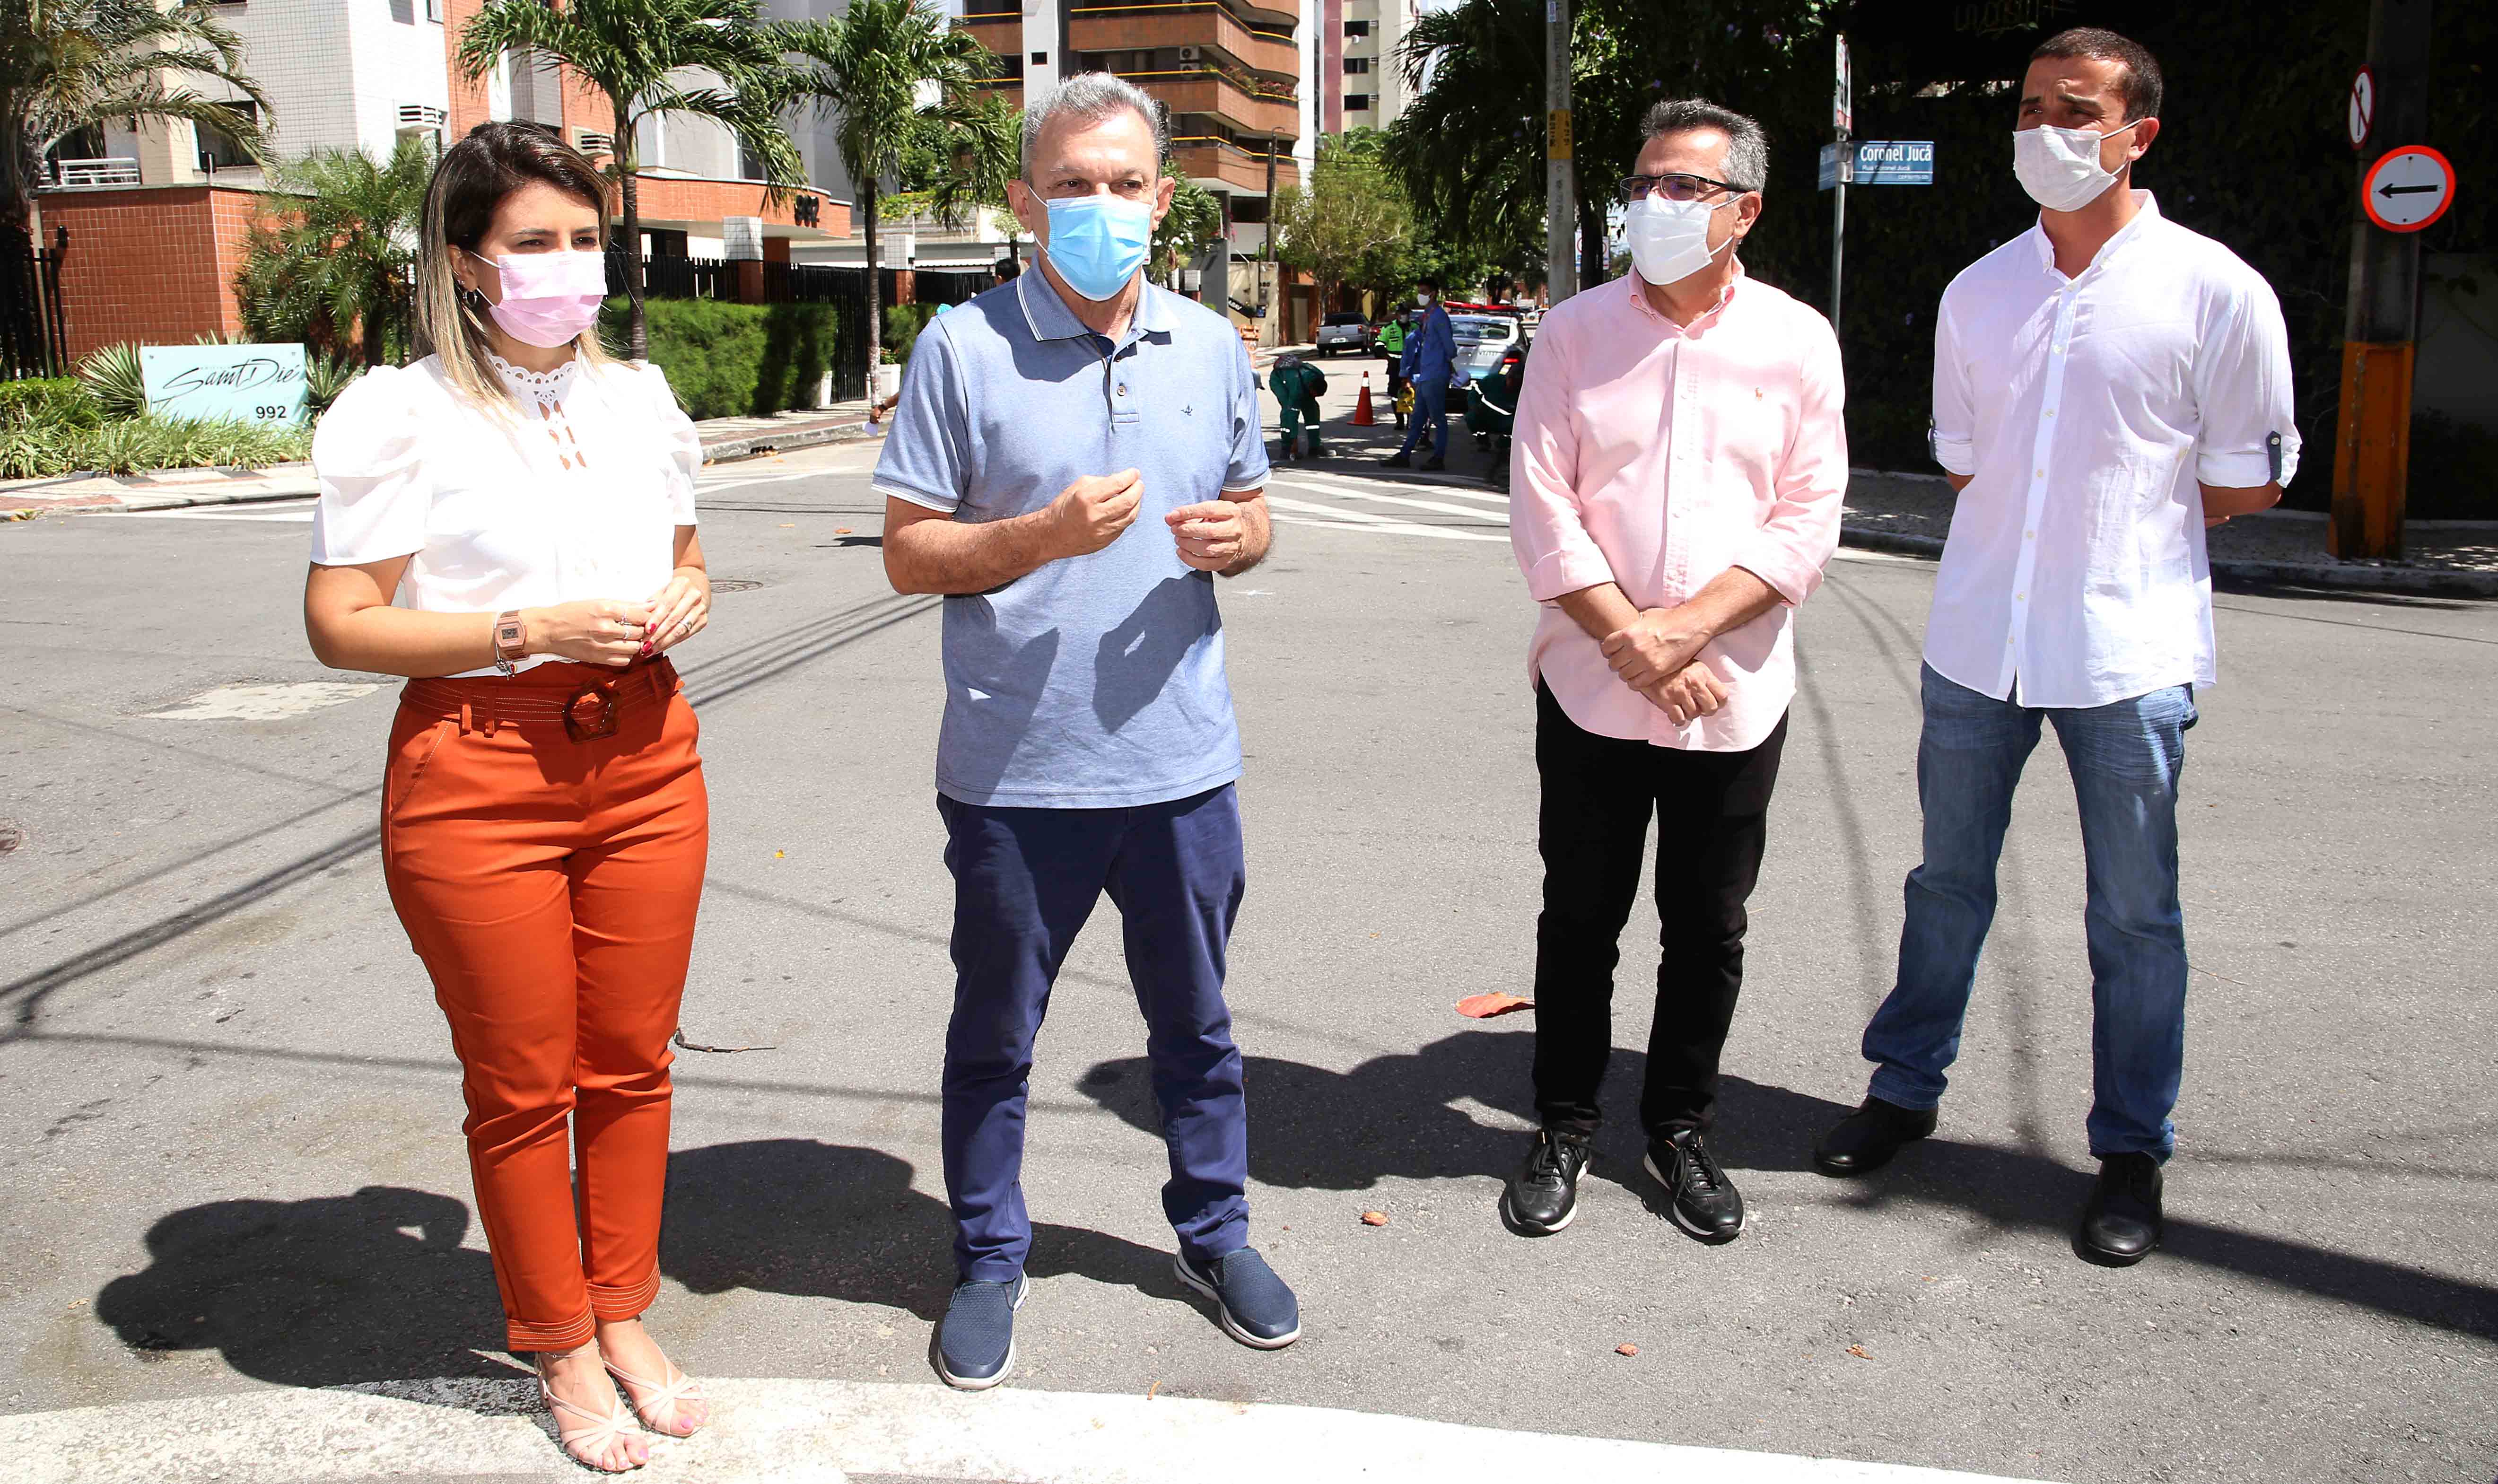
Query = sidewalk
x=723 y=438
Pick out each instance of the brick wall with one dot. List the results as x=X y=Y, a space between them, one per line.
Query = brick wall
x=150 y=265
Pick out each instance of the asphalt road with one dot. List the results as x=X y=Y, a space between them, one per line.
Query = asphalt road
x=232 y=1159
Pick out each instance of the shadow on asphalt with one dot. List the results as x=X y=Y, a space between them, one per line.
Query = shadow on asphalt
x=819 y=1220
x=1396 y=1117
x=377 y=1285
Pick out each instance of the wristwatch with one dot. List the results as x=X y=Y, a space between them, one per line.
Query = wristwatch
x=511 y=641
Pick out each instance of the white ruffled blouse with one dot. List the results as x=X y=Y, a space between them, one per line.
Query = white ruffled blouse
x=576 y=493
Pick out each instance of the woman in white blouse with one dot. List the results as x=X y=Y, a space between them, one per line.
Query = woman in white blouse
x=510 y=521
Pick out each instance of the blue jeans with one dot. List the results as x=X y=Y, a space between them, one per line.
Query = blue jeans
x=1025 y=881
x=2125 y=758
x=1430 y=410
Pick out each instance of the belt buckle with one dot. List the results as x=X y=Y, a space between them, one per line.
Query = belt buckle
x=590 y=713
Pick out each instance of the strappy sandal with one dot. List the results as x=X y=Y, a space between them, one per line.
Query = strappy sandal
x=584 y=1445
x=663 y=1399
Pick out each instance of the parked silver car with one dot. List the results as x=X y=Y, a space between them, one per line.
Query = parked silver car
x=1346 y=332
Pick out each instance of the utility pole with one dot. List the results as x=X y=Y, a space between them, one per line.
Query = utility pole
x=2372 y=452
x=1266 y=268
x=1842 y=111
x=1561 y=185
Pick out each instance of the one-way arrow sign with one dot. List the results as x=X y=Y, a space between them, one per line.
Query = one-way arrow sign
x=2408 y=189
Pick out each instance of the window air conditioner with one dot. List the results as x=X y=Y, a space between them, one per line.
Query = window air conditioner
x=590 y=141
x=1192 y=54
x=418 y=117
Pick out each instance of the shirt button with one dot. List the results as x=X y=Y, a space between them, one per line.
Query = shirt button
x=2051 y=412
x=2042 y=473
x=1123 y=389
x=2028 y=535
x=2020 y=597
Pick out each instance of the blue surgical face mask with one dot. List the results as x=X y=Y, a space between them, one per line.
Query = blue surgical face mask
x=1096 y=242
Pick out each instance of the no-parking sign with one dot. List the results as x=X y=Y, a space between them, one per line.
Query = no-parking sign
x=2363 y=106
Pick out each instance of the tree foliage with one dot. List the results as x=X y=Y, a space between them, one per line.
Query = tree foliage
x=1190 y=227
x=884 y=72
x=1349 y=223
x=68 y=65
x=333 y=249
x=651 y=59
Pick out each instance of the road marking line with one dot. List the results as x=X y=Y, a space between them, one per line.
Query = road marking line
x=1376 y=525
x=1439 y=506
x=290 y=511
x=1350 y=482
x=262 y=703
x=810 y=1432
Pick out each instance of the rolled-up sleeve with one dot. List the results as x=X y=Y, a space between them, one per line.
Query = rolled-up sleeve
x=1794 y=541
x=927 y=458
x=366 y=457
x=2241 y=391
x=1953 y=440
x=1547 y=530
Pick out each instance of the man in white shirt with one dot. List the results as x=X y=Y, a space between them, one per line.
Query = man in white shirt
x=2106 y=385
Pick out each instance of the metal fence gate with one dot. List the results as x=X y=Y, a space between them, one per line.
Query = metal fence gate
x=33 y=341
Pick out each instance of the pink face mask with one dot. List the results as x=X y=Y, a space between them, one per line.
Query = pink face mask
x=549 y=298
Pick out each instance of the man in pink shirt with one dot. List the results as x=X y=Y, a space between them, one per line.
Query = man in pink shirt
x=1676 y=477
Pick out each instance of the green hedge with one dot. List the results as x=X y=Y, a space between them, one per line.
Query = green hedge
x=903 y=323
x=48 y=401
x=734 y=360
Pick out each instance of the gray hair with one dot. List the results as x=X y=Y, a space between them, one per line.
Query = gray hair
x=1747 y=145
x=1089 y=97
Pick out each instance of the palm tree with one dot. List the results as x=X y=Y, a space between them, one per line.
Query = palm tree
x=70 y=65
x=874 y=69
x=706 y=58
x=983 y=146
x=337 y=249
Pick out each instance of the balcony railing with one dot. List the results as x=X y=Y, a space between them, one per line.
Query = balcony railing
x=105 y=172
x=1271 y=32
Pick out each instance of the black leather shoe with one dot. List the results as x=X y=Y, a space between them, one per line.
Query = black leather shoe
x=1866 y=1139
x=1705 y=1202
x=1434 y=465
x=1543 y=1197
x=2122 y=1223
x=1397 y=461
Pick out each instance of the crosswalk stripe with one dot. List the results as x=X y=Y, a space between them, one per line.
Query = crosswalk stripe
x=1315 y=479
x=1354 y=492
x=1391 y=528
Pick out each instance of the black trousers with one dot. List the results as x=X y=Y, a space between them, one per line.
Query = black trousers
x=1599 y=793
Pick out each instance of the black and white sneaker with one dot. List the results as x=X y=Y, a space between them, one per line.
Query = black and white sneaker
x=1543 y=1197
x=1254 y=1305
x=1704 y=1200
x=976 y=1341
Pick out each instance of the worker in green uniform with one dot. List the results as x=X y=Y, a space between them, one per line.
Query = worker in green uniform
x=1298 y=386
x=1391 y=345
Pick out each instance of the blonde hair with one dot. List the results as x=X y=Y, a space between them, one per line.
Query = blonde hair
x=469 y=184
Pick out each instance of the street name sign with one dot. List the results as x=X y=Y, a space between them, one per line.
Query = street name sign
x=225 y=383
x=1893 y=162
x=2408 y=189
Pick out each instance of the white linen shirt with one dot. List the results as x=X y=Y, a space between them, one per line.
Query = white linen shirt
x=490 y=509
x=2086 y=410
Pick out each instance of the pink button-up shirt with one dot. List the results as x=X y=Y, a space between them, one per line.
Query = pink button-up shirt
x=1655 y=456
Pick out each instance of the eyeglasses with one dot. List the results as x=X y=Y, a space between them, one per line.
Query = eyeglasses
x=1674 y=187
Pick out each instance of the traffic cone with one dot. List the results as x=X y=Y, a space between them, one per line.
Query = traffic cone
x=1362 y=417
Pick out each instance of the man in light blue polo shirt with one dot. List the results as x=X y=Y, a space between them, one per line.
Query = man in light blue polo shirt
x=1075 y=458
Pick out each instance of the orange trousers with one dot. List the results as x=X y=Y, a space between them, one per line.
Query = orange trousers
x=550 y=885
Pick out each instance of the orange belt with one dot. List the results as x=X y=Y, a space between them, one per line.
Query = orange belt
x=587 y=713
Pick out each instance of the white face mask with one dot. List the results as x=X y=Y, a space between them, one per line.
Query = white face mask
x=1422 y=300
x=1669 y=239
x=2059 y=168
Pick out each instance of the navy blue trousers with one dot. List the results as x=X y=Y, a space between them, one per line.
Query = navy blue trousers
x=1025 y=881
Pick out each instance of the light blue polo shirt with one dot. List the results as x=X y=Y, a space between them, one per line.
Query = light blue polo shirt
x=1095 y=682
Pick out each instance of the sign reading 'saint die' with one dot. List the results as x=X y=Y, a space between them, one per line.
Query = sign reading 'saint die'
x=226 y=383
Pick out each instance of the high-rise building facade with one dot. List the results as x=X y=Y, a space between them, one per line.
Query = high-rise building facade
x=1230 y=74
x=1369 y=77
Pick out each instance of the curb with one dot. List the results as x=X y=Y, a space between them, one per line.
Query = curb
x=2408 y=581
x=726 y=451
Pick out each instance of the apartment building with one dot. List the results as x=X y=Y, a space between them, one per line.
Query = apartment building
x=1371 y=90
x=366 y=74
x=1230 y=74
